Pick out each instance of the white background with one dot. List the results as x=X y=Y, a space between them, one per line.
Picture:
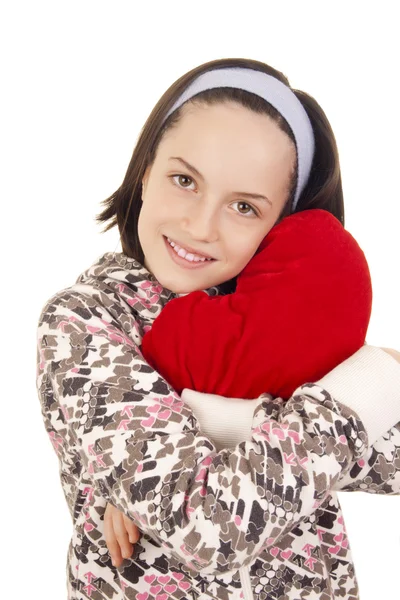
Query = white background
x=78 y=81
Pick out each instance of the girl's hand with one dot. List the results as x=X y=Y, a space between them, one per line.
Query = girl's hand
x=394 y=353
x=120 y=533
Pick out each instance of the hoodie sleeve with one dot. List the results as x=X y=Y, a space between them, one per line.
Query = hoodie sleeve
x=376 y=375
x=143 y=448
x=378 y=470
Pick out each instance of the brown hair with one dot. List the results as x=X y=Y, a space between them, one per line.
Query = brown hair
x=324 y=186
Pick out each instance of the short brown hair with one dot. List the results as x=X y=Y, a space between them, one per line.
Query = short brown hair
x=323 y=189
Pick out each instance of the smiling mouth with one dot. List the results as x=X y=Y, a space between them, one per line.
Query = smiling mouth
x=187 y=254
x=183 y=261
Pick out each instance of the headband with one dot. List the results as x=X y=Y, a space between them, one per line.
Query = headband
x=273 y=91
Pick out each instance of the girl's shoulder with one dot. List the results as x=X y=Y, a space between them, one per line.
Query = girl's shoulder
x=115 y=291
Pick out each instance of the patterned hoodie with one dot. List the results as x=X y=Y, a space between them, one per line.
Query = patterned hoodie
x=260 y=520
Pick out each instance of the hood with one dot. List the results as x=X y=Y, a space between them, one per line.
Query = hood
x=114 y=276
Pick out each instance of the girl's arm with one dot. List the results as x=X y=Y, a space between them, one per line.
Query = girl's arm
x=393 y=353
x=144 y=450
x=376 y=472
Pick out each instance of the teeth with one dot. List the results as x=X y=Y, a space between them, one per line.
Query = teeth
x=187 y=255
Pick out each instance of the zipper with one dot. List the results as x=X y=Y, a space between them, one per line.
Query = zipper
x=246 y=583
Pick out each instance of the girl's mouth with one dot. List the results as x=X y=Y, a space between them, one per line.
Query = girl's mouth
x=186 y=263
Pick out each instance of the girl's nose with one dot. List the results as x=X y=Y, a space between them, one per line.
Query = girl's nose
x=202 y=224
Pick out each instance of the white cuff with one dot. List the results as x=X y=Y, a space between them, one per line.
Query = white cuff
x=369 y=383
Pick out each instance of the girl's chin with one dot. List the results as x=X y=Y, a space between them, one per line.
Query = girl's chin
x=182 y=283
x=183 y=288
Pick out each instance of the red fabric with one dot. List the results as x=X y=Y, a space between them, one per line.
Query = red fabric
x=301 y=306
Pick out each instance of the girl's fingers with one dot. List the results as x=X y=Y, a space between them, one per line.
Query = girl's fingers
x=121 y=533
x=131 y=528
x=111 y=540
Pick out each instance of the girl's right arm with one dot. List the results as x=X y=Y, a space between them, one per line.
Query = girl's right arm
x=145 y=453
x=378 y=471
x=393 y=353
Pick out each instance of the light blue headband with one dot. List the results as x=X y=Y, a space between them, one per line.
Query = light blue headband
x=273 y=91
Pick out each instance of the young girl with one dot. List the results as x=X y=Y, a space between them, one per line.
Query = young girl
x=215 y=342
x=261 y=519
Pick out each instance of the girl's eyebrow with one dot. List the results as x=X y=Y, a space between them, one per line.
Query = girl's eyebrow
x=200 y=176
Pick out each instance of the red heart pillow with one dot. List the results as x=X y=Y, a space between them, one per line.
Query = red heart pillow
x=301 y=306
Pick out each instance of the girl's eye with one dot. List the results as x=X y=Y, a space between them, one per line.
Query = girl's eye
x=249 y=206
x=187 y=177
x=182 y=177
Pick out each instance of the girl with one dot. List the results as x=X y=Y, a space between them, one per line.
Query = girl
x=259 y=520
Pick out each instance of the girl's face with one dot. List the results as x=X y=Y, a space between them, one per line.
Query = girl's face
x=199 y=193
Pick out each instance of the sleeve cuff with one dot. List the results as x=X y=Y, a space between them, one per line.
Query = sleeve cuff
x=368 y=382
